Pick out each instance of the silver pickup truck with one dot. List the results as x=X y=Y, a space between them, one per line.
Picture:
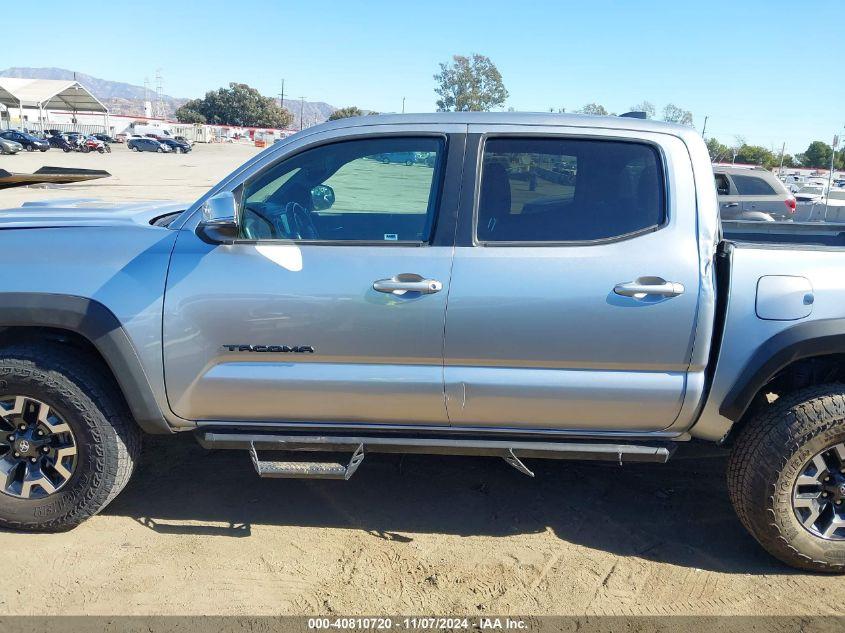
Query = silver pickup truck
x=514 y=285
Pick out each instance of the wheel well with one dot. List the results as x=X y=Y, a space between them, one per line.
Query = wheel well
x=806 y=372
x=17 y=335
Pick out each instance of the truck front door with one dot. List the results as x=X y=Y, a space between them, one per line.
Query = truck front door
x=330 y=305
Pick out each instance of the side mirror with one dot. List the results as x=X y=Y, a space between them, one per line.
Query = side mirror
x=322 y=197
x=219 y=222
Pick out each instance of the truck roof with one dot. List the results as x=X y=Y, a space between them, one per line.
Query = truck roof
x=514 y=118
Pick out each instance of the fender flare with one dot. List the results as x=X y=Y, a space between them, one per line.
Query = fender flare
x=804 y=340
x=94 y=321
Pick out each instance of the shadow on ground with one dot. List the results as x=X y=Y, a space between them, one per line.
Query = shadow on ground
x=677 y=513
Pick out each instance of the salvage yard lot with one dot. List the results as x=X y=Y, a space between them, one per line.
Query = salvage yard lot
x=197 y=532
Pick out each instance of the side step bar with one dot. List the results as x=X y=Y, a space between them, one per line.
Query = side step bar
x=307 y=470
x=511 y=450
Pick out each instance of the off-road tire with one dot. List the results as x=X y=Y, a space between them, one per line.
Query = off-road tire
x=107 y=438
x=768 y=455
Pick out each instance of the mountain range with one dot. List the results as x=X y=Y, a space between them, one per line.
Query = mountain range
x=128 y=99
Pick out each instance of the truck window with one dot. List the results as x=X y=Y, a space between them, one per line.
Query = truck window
x=723 y=187
x=752 y=186
x=568 y=190
x=370 y=190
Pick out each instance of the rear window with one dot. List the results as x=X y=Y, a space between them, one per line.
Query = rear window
x=568 y=190
x=752 y=186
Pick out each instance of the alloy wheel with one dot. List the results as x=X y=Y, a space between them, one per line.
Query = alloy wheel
x=37 y=448
x=818 y=497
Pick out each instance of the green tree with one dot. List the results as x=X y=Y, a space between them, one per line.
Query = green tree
x=186 y=113
x=817 y=155
x=756 y=155
x=344 y=113
x=469 y=84
x=647 y=107
x=595 y=109
x=236 y=105
x=718 y=153
x=674 y=114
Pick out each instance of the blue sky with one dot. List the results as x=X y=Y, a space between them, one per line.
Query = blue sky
x=764 y=70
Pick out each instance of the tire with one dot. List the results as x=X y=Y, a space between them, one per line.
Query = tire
x=43 y=150
x=30 y=148
x=160 y=151
x=134 y=148
x=101 y=150
x=107 y=440
x=776 y=446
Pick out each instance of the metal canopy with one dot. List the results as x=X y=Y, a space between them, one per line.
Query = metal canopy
x=48 y=94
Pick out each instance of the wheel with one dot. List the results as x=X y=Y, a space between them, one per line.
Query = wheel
x=101 y=150
x=134 y=148
x=160 y=151
x=66 y=150
x=108 y=149
x=30 y=148
x=43 y=150
x=786 y=477
x=68 y=444
x=85 y=149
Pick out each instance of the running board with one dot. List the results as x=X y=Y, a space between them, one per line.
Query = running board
x=307 y=470
x=512 y=451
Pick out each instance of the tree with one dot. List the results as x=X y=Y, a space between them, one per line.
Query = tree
x=594 y=109
x=236 y=105
x=647 y=107
x=344 y=113
x=756 y=155
x=718 y=153
x=471 y=84
x=186 y=114
x=674 y=114
x=817 y=155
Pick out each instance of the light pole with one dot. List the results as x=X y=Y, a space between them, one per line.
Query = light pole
x=403 y=105
x=301 y=109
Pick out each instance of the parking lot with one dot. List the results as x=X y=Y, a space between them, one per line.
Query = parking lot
x=197 y=532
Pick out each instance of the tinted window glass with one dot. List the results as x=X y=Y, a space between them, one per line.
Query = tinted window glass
x=752 y=186
x=374 y=190
x=723 y=187
x=569 y=190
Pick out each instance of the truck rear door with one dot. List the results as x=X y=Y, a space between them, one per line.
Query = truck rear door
x=575 y=281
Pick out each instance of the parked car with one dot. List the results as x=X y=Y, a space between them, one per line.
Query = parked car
x=9 y=147
x=28 y=141
x=105 y=138
x=752 y=195
x=120 y=137
x=275 y=314
x=402 y=158
x=60 y=142
x=178 y=147
x=143 y=144
x=182 y=139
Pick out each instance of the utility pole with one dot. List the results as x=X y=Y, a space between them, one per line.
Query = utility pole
x=301 y=109
x=704 y=129
x=782 y=150
x=282 y=95
x=403 y=105
x=830 y=173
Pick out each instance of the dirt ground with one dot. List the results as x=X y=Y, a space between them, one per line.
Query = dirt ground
x=196 y=532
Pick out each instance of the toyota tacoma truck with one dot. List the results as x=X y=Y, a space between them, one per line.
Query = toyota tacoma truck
x=513 y=285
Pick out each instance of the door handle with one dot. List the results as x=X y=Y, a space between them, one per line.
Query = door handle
x=407 y=282
x=730 y=205
x=645 y=286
